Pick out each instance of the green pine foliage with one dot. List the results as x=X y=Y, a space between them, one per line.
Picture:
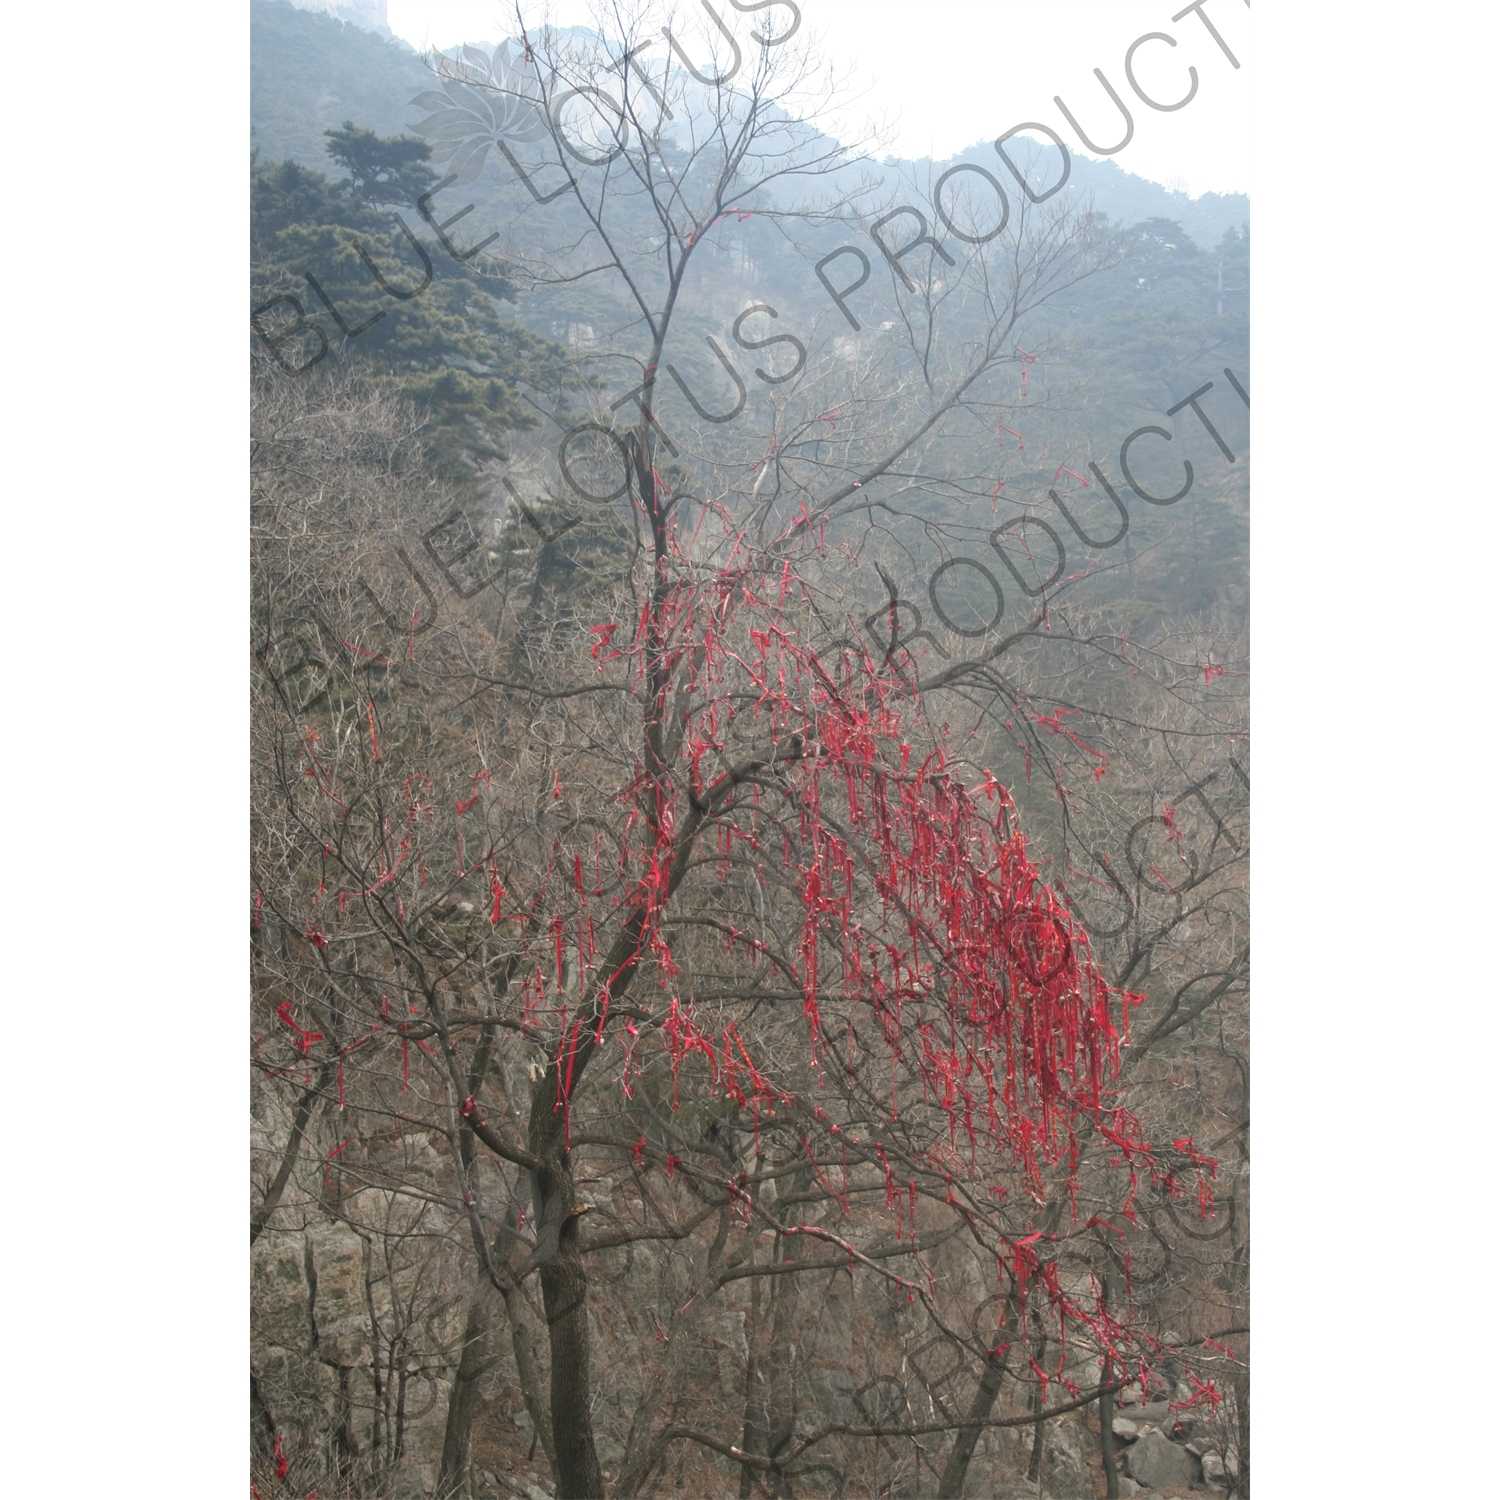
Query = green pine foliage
x=381 y=169
x=1167 y=312
x=435 y=328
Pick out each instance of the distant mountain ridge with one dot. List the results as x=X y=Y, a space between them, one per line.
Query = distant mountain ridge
x=369 y=14
x=310 y=71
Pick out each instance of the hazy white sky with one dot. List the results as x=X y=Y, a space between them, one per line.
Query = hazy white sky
x=948 y=73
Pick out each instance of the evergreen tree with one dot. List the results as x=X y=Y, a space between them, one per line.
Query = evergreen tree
x=381 y=169
x=377 y=288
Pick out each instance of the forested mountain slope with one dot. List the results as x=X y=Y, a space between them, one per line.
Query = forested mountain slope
x=1124 y=347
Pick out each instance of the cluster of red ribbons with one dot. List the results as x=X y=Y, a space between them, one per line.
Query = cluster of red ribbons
x=921 y=907
x=975 y=975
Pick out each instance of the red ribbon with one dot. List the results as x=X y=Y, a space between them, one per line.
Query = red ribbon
x=305 y=1039
x=335 y=1152
x=1027 y=360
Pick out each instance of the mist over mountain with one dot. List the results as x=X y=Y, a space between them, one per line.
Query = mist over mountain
x=311 y=71
x=1125 y=345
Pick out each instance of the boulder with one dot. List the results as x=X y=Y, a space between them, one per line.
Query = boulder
x=279 y=1293
x=340 y=1313
x=1128 y=1486
x=523 y=1487
x=292 y=1384
x=415 y=1481
x=1125 y=1430
x=1156 y=1463
x=1214 y=1471
x=1063 y=1468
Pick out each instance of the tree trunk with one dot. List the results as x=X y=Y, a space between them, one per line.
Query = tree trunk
x=479 y=1335
x=951 y=1485
x=477 y=1360
x=754 y=1427
x=956 y=1470
x=1239 y=1293
x=305 y=1107
x=755 y=1406
x=1107 y=1405
x=564 y=1293
x=1107 y=1435
x=1242 y=1413
x=779 y=1366
x=565 y=1297
x=346 y=1436
x=526 y=1370
x=1034 y=1468
x=262 y=1425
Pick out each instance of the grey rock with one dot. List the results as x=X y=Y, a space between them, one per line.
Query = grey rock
x=279 y=1292
x=340 y=1314
x=426 y=1420
x=1156 y=1463
x=527 y=1489
x=415 y=1481
x=1063 y=1468
x=1125 y=1429
x=1213 y=1469
x=1128 y=1486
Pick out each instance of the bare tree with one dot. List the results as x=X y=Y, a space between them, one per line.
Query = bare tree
x=620 y=848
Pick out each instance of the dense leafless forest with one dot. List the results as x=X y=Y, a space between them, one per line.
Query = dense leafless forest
x=750 y=782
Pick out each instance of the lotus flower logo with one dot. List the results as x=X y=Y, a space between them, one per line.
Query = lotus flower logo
x=486 y=100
